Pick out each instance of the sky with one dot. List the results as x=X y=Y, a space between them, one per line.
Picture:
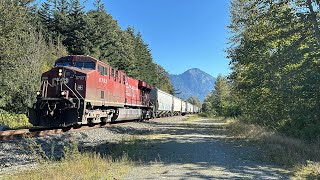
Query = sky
x=182 y=34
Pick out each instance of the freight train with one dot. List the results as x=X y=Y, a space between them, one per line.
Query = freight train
x=83 y=90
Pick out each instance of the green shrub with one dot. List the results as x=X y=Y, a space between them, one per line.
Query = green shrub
x=14 y=121
x=302 y=156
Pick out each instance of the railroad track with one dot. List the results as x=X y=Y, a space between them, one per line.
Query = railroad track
x=42 y=132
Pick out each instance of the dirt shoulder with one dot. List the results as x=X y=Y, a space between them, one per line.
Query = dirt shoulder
x=198 y=149
x=166 y=148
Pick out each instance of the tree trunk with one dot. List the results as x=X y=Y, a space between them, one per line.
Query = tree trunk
x=314 y=21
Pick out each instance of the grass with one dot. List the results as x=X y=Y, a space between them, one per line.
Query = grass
x=206 y=115
x=302 y=157
x=192 y=118
x=135 y=147
x=77 y=165
x=14 y=121
x=84 y=166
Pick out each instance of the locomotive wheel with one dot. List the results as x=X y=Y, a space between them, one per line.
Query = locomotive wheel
x=65 y=129
x=77 y=126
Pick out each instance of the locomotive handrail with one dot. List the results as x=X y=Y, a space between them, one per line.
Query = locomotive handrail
x=74 y=94
x=75 y=85
x=45 y=87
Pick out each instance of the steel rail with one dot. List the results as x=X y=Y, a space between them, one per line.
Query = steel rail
x=43 y=132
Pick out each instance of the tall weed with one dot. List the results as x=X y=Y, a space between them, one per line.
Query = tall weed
x=303 y=157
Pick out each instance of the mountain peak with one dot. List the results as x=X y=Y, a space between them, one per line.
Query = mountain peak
x=196 y=71
x=193 y=82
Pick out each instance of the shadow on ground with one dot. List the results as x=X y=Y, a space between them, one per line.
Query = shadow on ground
x=176 y=150
x=191 y=150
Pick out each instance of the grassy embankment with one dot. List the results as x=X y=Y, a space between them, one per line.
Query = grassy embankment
x=302 y=157
x=193 y=117
x=112 y=163
x=83 y=166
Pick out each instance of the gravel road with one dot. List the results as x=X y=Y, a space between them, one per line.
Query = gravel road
x=167 y=148
x=201 y=150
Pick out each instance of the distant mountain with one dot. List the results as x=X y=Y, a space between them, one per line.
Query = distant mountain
x=193 y=82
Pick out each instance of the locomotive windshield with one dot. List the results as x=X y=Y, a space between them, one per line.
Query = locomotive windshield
x=78 y=64
x=65 y=63
x=84 y=64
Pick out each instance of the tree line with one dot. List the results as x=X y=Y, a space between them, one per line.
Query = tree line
x=275 y=60
x=33 y=36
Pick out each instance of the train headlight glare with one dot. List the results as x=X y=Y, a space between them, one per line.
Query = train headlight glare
x=60 y=70
x=60 y=73
x=63 y=93
x=38 y=93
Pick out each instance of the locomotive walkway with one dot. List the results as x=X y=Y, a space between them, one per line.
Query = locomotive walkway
x=200 y=149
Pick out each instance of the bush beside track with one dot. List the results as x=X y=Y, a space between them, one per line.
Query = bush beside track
x=13 y=121
x=303 y=158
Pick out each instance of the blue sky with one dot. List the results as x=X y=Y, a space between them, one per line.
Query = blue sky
x=181 y=34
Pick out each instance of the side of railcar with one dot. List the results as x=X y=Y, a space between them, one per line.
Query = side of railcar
x=189 y=108
x=196 y=109
x=183 y=107
x=177 y=103
x=162 y=103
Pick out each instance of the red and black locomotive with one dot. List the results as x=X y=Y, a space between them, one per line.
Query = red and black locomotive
x=83 y=90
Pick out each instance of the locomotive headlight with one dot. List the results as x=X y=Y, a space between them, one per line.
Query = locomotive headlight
x=63 y=93
x=38 y=94
x=60 y=72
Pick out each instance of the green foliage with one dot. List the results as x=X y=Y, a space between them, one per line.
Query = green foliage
x=14 y=121
x=301 y=156
x=97 y=34
x=24 y=55
x=32 y=38
x=163 y=80
x=192 y=118
x=274 y=55
x=194 y=100
x=221 y=101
